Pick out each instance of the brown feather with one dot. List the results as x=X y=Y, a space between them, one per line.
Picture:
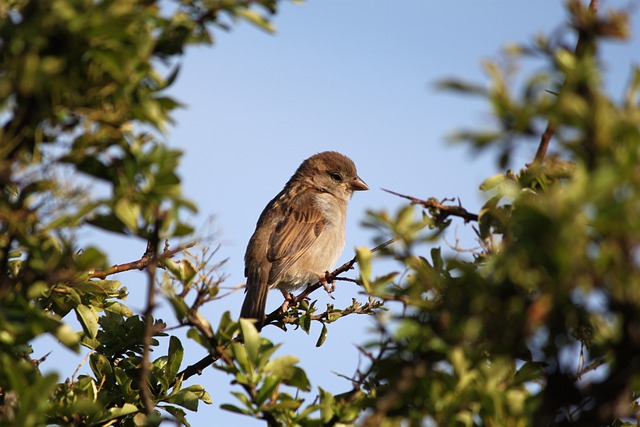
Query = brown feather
x=300 y=226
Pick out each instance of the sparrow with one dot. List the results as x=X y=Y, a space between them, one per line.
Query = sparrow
x=301 y=232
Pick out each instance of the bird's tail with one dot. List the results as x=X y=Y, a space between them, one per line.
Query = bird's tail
x=254 y=303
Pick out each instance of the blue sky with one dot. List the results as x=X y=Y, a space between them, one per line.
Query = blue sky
x=346 y=75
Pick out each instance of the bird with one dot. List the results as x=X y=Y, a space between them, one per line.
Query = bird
x=300 y=234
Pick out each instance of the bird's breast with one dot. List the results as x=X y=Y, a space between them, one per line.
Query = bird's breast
x=324 y=252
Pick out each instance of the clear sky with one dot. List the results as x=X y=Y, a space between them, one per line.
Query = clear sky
x=353 y=76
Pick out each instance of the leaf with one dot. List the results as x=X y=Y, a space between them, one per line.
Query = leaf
x=185 y=398
x=291 y=374
x=327 y=405
x=282 y=366
x=305 y=322
x=175 y=355
x=67 y=336
x=198 y=337
x=88 y=318
x=256 y=19
x=323 y=336
x=529 y=371
x=108 y=223
x=127 y=212
x=363 y=258
x=269 y=385
x=100 y=366
x=240 y=353
x=436 y=259
x=493 y=182
x=116 y=412
x=187 y=272
x=179 y=306
x=461 y=86
x=233 y=408
x=118 y=308
x=251 y=341
x=91 y=258
x=179 y=414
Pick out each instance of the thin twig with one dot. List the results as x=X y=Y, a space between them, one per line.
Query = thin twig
x=82 y=362
x=210 y=359
x=140 y=264
x=444 y=211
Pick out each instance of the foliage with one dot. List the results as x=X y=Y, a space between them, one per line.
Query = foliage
x=537 y=327
x=82 y=92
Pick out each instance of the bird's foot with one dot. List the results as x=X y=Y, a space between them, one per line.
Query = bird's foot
x=288 y=299
x=327 y=282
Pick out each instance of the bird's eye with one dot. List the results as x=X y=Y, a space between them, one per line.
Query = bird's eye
x=335 y=176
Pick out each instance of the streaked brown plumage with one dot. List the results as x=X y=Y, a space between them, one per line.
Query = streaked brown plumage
x=301 y=232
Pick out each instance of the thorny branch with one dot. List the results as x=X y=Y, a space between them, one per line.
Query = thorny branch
x=442 y=211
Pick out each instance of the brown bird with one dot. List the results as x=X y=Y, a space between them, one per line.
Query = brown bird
x=301 y=232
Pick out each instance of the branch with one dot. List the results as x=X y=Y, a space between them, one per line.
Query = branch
x=551 y=128
x=443 y=211
x=278 y=314
x=142 y=263
x=145 y=371
x=544 y=143
x=217 y=353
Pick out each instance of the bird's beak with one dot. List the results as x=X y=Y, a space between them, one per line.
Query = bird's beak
x=358 y=184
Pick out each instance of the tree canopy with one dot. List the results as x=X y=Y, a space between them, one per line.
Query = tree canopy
x=508 y=335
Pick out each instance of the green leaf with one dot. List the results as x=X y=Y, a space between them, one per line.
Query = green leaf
x=327 y=405
x=233 y=408
x=100 y=366
x=88 y=318
x=187 y=272
x=67 y=336
x=179 y=414
x=117 y=412
x=198 y=337
x=292 y=375
x=269 y=385
x=251 y=340
x=176 y=352
x=108 y=223
x=461 y=86
x=255 y=18
x=530 y=371
x=185 y=398
x=91 y=258
x=118 y=308
x=363 y=258
x=436 y=259
x=299 y=379
x=179 y=306
x=240 y=353
x=127 y=212
x=493 y=182
x=323 y=336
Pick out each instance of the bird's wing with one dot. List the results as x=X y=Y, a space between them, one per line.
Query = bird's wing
x=300 y=226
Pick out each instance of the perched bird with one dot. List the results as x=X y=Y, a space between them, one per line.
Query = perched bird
x=301 y=232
